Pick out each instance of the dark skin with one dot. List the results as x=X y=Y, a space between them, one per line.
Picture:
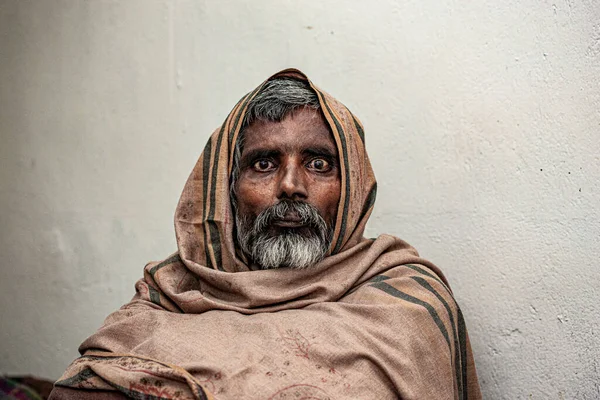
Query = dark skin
x=294 y=159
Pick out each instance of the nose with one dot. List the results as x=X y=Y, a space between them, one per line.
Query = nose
x=292 y=184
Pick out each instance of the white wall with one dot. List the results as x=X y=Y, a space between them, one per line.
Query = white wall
x=483 y=124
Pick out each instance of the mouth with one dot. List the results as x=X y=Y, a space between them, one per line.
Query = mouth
x=289 y=223
x=290 y=220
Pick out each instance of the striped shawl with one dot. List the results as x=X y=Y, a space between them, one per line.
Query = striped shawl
x=372 y=320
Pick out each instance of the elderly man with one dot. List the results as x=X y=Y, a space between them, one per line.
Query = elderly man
x=274 y=293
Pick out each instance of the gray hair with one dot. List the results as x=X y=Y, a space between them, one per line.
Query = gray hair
x=277 y=98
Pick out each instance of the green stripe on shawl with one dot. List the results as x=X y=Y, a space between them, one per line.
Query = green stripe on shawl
x=215 y=239
x=205 y=175
x=389 y=289
x=359 y=129
x=82 y=376
x=462 y=337
x=376 y=278
x=429 y=274
x=370 y=202
x=154 y=295
x=458 y=361
x=379 y=278
x=344 y=156
x=462 y=331
x=168 y=261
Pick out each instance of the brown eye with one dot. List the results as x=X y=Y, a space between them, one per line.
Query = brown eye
x=263 y=165
x=319 y=164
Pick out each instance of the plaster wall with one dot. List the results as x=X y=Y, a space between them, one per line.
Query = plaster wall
x=482 y=121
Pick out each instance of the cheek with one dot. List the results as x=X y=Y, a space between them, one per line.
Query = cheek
x=252 y=198
x=330 y=198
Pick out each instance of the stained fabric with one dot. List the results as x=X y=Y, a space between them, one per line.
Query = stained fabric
x=371 y=320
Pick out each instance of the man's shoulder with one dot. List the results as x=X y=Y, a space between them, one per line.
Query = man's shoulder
x=413 y=283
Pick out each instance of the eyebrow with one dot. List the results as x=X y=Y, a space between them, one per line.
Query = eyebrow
x=270 y=153
x=320 y=151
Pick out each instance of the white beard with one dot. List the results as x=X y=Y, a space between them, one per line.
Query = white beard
x=289 y=249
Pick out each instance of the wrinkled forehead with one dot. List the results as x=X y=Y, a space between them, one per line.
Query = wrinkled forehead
x=303 y=128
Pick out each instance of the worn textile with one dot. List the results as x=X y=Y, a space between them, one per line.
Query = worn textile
x=372 y=320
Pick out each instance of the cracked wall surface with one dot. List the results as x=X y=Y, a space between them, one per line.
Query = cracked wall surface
x=482 y=121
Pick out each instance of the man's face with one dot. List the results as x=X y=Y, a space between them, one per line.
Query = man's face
x=288 y=190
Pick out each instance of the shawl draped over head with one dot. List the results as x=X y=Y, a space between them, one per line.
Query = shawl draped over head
x=372 y=320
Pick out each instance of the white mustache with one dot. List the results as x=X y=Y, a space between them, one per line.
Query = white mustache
x=303 y=213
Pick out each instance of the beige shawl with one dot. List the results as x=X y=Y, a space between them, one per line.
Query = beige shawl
x=372 y=320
